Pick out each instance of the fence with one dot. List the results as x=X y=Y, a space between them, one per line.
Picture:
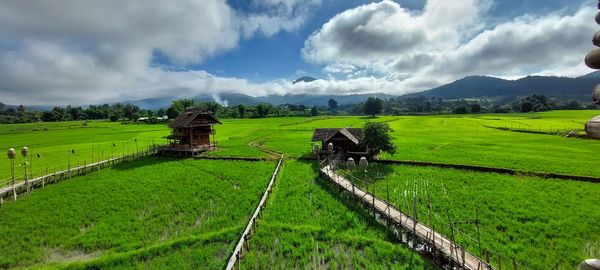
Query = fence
x=43 y=160
x=28 y=185
x=440 y=226
x=237 y=254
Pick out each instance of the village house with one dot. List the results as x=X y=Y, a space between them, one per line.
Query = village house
x=346 y=142
x=191 y=133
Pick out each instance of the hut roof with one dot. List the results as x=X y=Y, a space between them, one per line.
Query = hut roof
x=324 y=134
x=194 y=118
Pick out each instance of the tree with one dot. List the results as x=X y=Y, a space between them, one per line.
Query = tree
x=333 y=105
x=571 y=105
x=475 y=108
x=131 y=112
x=533 y=102
x=75 y=113
x=55 y=115
x=263 y=109
x=212 y=107
x=525 y=106
x=242 y=110
x=186 y=103
x=175 y=110
x=376 y=137
x=373 y=106
x=460 y=110
x=314 y=111
x=113 y=117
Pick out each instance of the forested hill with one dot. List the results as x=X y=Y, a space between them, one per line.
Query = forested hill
x=491 y=88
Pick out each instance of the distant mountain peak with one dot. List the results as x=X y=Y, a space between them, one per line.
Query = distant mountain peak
x=497 y=88
x=595 y=75
x=304 y=79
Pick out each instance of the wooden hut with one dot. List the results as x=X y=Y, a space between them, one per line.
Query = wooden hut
x=346 y=142
x=191 y=132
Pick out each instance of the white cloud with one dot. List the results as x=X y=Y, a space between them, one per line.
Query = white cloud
x=377 y=34
x=445 y=42
x=79 y=52
x=73 y=51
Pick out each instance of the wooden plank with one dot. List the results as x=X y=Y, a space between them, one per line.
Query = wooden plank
x=424 y=233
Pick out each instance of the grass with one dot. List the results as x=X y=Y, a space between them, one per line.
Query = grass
x=92 y=141
x=162 y=213
x=543 y=223
x=462 y=139
x=121 y=211
x=307 y=225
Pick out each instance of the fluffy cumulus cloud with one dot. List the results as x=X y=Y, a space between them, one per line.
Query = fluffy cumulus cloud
x=68 y=51
x=81 y=52
x=447 y=40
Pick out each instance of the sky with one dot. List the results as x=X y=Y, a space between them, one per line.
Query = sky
x=90 y=52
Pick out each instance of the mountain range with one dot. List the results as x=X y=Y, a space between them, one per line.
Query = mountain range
x=472 y=87
x=483 y=87
x=234 y=99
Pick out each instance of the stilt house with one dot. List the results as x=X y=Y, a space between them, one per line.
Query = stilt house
x=191 y=132
x=346 y=142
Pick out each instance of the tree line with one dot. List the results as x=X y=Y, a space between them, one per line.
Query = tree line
x=115 y=112
x=372 y=106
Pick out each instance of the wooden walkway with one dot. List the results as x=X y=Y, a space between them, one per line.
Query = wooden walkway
x=453 y=252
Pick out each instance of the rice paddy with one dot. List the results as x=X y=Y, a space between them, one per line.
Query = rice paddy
x=164 y=213
x=112 y=215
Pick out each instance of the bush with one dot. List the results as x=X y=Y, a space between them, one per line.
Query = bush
x=460 y=110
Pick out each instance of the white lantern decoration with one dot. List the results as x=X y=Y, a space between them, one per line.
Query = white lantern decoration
x=11 y=153
x=363 y=163
x=330 y=147
x=24 y=151
x=350 y=164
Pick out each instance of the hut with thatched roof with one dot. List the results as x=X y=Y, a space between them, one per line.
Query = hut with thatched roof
x=192 y=132
x=346 y=142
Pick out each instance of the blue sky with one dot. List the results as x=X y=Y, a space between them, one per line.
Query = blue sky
x=88 y=51
x=261 y=59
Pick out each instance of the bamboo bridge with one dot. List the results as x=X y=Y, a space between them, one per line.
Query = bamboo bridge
x=433 y=240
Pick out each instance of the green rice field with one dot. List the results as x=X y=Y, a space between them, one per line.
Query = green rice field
x=464 y=139
x=164 y=213
x=150 y=212
x=306 y=225
x=542 y=223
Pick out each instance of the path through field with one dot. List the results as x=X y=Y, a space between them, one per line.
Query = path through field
x=451 y=250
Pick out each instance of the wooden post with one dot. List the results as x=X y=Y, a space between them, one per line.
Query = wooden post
x=26 y=176
x=373 y=195
x=514 y=263
x=463 y=257
x=12 y=171
x=478 y=233
x=499 y=262
x=451 y=231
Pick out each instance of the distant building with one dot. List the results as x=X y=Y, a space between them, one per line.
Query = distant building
x=191 y=133
x=346 y=142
